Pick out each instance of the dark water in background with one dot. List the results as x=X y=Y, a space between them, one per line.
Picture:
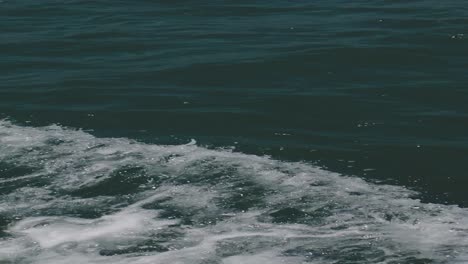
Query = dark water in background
x=373 y=89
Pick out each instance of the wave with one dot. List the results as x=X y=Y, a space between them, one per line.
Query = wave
x=70 y=197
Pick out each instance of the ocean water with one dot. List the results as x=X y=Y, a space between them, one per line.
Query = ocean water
x=226 y=132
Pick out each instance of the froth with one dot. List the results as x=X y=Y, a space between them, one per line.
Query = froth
x=69 y=197
x=52 y=231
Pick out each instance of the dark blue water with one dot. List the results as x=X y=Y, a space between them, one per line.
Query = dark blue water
x=312 y=124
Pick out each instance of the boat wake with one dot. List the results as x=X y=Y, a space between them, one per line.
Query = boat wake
x=70 y=197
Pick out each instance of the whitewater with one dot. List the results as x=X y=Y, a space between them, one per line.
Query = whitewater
x=67 y=196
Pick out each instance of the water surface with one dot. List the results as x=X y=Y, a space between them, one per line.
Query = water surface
x=324 y=131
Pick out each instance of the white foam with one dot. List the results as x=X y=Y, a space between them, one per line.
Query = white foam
x=226 y=207
x=52 y=231
x=264 y=257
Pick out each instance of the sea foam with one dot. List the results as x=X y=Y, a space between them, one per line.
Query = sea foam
x=70 y=197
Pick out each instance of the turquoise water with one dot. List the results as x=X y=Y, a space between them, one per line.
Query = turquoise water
x=233 y=131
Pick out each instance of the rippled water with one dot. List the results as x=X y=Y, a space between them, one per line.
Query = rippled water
x=321 y=131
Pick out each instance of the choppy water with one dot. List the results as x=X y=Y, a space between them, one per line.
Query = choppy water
x=320 y=131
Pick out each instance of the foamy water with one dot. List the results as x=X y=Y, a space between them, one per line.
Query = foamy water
x=70 y=197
